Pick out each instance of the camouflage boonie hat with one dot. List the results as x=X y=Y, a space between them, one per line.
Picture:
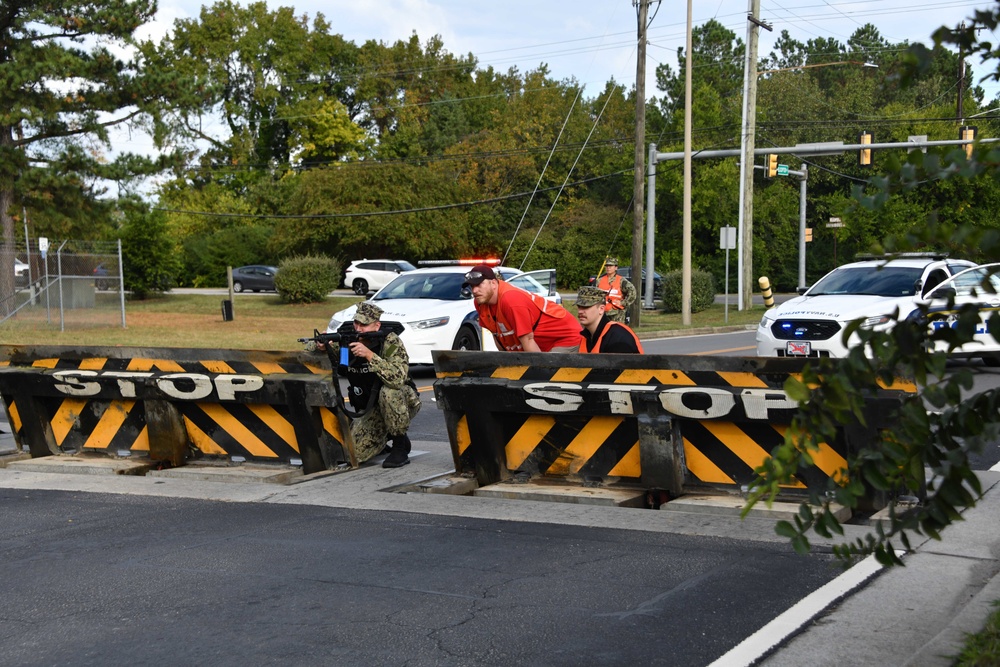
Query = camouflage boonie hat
x=367 y=313
x=590 y=296
x=612 y=261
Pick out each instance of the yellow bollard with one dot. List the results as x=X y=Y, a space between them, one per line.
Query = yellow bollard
x=765 y=289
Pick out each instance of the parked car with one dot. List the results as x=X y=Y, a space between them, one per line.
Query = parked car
x=373 y=274
x=20 y=272
x=979 y=286
x=255 y=278
x=626 y=273
x=435 y=311
x=542 y=282
x=811 y=325
x=101 y=279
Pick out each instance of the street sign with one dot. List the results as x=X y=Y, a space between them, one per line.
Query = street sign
x=727 y=238
x=834 y=223
x=782 y=170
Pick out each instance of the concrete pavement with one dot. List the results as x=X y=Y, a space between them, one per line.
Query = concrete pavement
x=916 y=615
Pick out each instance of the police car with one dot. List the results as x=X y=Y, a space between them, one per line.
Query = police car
x=979 y=286
x=871 y=290
x=436 y=313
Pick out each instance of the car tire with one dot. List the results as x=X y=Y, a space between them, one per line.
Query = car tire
x=237 y=287
x=360 y=286
x=992 y=361
x=466 y=340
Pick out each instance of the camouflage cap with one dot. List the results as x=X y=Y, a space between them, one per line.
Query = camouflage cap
x=588 y=296
x=611 y=261
x=367 y=313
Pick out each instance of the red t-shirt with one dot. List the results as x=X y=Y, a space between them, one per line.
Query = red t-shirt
x=518 y=313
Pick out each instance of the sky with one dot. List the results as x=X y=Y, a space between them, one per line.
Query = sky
x=594 y=40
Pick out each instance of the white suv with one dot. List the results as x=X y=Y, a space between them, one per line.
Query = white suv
x=812 y=325
x=364 y=275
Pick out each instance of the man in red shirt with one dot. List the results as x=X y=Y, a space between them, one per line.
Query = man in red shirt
x=519 y=320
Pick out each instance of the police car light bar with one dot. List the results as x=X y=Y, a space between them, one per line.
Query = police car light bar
x=457 y=262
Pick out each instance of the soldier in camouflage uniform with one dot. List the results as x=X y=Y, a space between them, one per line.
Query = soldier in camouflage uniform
x=381 y=366
x=621 y=293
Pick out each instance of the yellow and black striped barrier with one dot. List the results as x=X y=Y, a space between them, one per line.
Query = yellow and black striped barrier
x=175 y=404
x=657 y=421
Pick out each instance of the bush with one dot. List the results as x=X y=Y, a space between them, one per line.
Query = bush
x=149 y=260
x=702 y=291
x=306 y=278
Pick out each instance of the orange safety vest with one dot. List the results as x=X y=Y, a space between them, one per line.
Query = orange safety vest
x=490 y=318
x=597 y=343
x=614 y=290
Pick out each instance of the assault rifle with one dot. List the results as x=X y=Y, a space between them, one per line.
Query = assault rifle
x=345 y=338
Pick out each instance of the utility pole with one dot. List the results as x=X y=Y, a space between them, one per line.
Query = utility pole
x=745 y=227
x=961 y=79
x=686 y=231
x=640 y=141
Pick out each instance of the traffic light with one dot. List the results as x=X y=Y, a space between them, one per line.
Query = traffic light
x=865 y=154
x=968 y=133
x=772 y=165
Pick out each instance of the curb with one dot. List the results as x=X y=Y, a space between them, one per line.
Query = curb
x=694 y=331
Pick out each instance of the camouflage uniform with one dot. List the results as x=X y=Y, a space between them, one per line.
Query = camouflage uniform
x=628 y=298
x=397 y=403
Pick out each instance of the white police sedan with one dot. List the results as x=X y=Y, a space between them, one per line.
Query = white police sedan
x=812 y=325
x=434 y=310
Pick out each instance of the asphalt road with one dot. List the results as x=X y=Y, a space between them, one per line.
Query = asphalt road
x=96 y=579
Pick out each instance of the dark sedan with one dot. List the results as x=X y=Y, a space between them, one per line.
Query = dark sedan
x=254 y=278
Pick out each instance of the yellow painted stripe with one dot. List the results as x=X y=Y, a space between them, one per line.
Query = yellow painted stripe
x=630 y=465
x=201 y=439
x=510 y=372
x=316 y=370
x=742 y=379
x=741 y=444
x=586 y=443
x=643 y=376
x=899 y=384
x=237 y=430
x=217 y=367
x=141 y=443
x=165 y=365
x=44 y=363
x=4 y=364
x=281 y=426
x=527 y=438
x=570 y=374
x=462 y=436
x=15 y=417
x=331 y=424
x=65 y=418
x=93 y=363
x=108 y=425
x=453 y=374
x=826 y=459
x=268 y=368
x=702 y=467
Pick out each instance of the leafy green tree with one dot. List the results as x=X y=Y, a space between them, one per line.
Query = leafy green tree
x=149 y=257
x=64 y=88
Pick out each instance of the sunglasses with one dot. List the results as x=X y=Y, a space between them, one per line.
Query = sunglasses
x=474 y=275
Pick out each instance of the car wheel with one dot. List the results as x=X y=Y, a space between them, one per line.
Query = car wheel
x=237 y=286
x=991 y=360
x=102 y=285
x=360 y=286
x=466 y=340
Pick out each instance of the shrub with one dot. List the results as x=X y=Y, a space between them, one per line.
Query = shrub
x=702 y=291
x=149 y=260
x=306 y=278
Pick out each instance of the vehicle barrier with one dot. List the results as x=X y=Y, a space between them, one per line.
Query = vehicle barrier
x=673 y=423
x=176 y=404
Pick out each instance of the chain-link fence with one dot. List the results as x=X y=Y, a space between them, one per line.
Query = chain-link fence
x=62 y=283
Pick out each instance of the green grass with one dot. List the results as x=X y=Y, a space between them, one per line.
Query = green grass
x=983 y=648
x=260 y=322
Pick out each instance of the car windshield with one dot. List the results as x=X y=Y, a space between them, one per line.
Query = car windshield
x=405 y=266
x=409 y=285
x=885 y=281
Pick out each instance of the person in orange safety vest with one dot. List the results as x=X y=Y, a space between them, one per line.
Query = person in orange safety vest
x=601 y=334
x=621 y=293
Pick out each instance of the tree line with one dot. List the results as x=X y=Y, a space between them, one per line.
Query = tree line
x=279 y=138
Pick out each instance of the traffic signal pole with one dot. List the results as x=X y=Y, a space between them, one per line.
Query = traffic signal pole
x=799 y=150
